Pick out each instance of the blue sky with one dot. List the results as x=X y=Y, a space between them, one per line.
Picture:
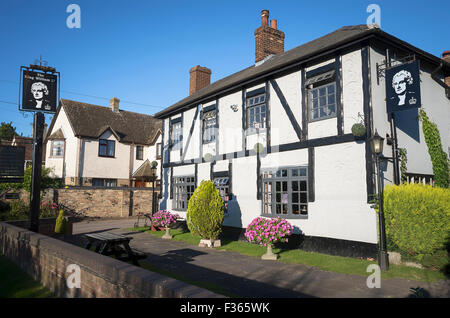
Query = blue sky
x=141 y=51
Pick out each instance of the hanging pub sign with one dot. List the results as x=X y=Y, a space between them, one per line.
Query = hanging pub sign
x=403 y=87
x=39 y=90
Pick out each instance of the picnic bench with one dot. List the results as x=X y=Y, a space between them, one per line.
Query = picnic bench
x=107 y=243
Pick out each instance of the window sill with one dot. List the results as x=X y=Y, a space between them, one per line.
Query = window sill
x=286 y=216
x=320 y=119
x=107 y=156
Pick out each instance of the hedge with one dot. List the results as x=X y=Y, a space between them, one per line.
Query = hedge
x=417 y=217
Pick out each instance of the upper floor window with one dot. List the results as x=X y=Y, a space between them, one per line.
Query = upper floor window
x=175 y=136
x=209 y=126
x=322 y=96
x=57 y=148
x=106 y=148
x=158 y=150
x=256 y=111
x=139 y=152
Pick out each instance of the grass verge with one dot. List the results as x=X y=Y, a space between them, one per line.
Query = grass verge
x=15 y=283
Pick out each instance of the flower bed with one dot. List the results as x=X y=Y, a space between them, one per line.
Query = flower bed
x=265 y=231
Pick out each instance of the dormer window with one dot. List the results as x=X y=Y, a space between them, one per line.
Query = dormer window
x=106 y=148
x=139 y=152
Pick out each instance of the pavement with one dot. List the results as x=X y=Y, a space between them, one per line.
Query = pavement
x=246 y=276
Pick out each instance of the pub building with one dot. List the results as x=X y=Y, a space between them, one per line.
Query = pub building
x=276 y=137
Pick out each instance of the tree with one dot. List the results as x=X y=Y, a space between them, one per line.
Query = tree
x=7 y=131
x=46 y=181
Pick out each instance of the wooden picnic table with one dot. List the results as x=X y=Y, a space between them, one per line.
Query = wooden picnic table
x=108 y=243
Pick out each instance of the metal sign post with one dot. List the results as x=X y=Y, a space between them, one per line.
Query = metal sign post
x=35 y=191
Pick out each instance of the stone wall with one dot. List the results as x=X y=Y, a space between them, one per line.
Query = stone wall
x=46 y=260
x=101 y=202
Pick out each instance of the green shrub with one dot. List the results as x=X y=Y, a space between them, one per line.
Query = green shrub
x=417 y=218
x=60 y=226
x=205 y=211
x=18 y=210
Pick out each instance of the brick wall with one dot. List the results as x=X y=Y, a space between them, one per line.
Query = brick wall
x=46 y=259
x=200 y=77
x=103 y=202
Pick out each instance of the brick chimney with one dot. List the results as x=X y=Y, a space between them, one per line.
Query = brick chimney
x=446 y=57
x=200 y=78
x=114 y=104
x=268 y=40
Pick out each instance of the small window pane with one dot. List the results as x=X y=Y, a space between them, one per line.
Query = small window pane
x=294 y=185
x=295 y=209
x=322 y=91
x=302 y=185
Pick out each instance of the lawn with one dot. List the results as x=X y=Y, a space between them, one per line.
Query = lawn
x=15 y=283
x=337 y=264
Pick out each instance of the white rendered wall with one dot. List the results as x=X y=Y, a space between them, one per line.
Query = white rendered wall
x=94 y=166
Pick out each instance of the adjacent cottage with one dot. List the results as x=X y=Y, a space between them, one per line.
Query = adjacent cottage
x=91 y=145
x=276 y=138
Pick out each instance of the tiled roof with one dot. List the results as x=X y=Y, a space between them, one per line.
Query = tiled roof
x=301 y=53
x=91 y=121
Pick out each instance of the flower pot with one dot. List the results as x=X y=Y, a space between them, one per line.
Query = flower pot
x=167 y=235
x=209 y=243
x=269 y=254
x=156 y=228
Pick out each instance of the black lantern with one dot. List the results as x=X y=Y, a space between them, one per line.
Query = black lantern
x=376 y=143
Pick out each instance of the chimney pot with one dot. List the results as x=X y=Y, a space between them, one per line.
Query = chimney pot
x=273 y=24
x=265 y=17
x=200 y=77
x=446 y=55
x=268 y=40
x=114 y=104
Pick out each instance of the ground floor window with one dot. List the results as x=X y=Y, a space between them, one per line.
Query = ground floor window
x=222 y=184
x=285 y=192
x=183 y=188
x=97 y=182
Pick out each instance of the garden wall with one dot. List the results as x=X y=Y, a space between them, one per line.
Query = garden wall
x=46 y=260
x=101 y=202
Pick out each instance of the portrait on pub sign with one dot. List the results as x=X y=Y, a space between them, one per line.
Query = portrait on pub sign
x=403 y=87
x=39 y=91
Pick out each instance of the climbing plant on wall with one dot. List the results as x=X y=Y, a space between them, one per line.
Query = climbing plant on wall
x=403 y=162
x=438 y=156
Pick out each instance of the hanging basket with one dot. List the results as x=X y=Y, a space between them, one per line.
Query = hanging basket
x=359 y=130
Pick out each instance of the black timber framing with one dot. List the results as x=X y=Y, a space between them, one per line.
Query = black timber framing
x=267 y=89
x=304 y=106
x=317 y=142
x=286 y=108
x=311 y=176
x=244 y=138
x=181 y=137
x=370 y=184
x=230 y=175
x=171 y=183
x=258 y=177
x=216 y=133
x=162 y=159
x=339 y=107
x=191 y=130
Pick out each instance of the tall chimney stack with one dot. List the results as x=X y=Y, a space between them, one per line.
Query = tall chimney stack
x=114 y=104
x=200 y=77
x=446 y=57
x=268 y=40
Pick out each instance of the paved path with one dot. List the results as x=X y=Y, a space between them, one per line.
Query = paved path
x=248 y=276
